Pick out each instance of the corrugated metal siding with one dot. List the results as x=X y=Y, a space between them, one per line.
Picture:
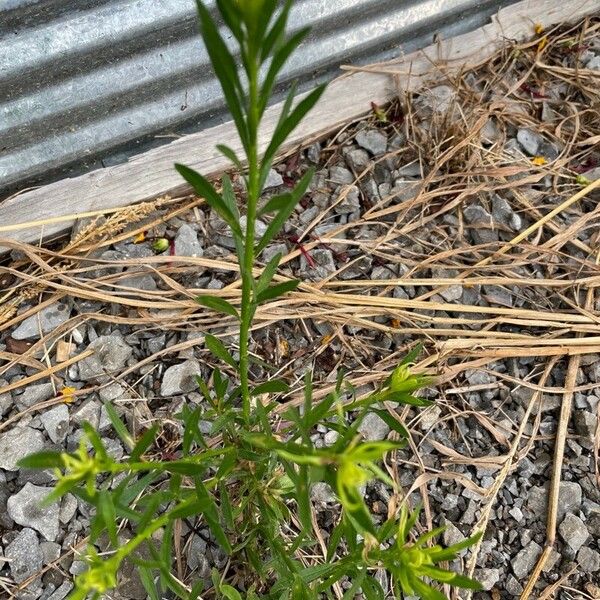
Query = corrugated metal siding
x=86 y=83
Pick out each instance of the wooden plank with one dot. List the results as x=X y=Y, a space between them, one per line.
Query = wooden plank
x=347 y=98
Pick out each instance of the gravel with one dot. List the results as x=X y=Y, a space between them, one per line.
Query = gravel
x=525 y=560
x=26 y=508
x=56 y=423
x=24 y=555
x=374 y=428
x=573 y=531
x=187 y=243
x=180 y=378
x=45 y=321
x=372 y=140
x=530 y=141
x=110 y=355
x=16 y=444
x=589 y=560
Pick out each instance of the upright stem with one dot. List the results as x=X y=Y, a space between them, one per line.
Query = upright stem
x=247 y=311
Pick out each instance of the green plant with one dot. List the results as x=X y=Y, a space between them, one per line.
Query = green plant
x=249 y=482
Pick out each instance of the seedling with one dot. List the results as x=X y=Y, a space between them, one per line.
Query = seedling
x=247 y=484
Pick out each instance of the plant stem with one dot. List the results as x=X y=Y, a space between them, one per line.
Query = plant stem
x=247 y=311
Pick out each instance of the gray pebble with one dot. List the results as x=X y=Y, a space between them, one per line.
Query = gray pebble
x=45 y=321
x=274 y=179
x=503 y=213
x=34 y=394
x=529 y=140
x=321 y=493
x=17 y=444
x=488 y=578
x=357 y=160
x=61 y=592
x=26 y=509
x=372 y=140
x=573 y=531
x=68 y=507
x=56 y=423
x=110 y=355
x=324 y=264
x=88 y=412
x=25 y=556
x=589 y=560
x=180 y=379
x=138 y=280
x=585 y=423
x=187 y=243
x=340 y=175
x=525 y=560
x=373 y=428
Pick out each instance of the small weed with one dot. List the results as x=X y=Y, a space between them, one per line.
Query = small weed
x=246 y=481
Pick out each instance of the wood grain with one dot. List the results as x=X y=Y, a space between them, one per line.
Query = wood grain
x=347 y=98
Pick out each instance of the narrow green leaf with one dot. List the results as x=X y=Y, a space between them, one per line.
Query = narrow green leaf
x=425 y=591
x=232 y=18
x=205 y=189
x=277 y=290
x=94 y=438
x=211 y=514
x=226 y=71
x=229 y=197
x=46 y=459
x=463 y=581
x=196 y=590
x=119 y=426
x=274 y=204
x=107 y=509
x=274 y=386
x=218 y=304
x=267 y=161
x=286 y=210
x=268 y=273
x=218 y=349
x=302 y=497
x=229 y=153
x=144 y=443
x=410 y=357
x=280 y=56
x=226 y=505
x=276 y=32
x=291 y=122
x=148 y=582
x=230 y=592
x=403 y=398
x=372 y=590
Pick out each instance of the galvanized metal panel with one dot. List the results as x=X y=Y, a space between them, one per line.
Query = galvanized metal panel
x=86 y=83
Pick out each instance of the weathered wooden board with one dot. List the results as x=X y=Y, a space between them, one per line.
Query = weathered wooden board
x=50 y=210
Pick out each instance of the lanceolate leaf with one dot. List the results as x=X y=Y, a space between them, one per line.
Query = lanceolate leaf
x=230 y=154
x=267 y=275
x=42 y=460
x=218 y=304
x=284 y=129
x=225 y=70
x=205 y=189
x=277 y=290
x=218 y=349
x=279 y=58
x=276 y=32
x=286 y=210
x=274 y=386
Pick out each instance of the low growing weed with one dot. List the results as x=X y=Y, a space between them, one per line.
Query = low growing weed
x=246 y=482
